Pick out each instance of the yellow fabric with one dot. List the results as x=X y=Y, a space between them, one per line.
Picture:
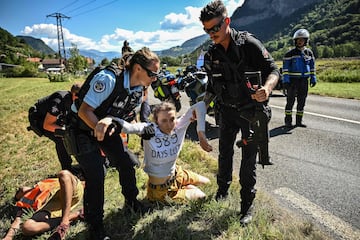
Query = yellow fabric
x=54 y=205
x=176 y=190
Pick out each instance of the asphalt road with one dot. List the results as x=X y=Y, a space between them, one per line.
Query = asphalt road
x=316 y=171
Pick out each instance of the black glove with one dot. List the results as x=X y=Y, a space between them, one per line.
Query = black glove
x=312 y=84
x=286 y=85
x=148 y=132
x=116 y=126
x=59 y=132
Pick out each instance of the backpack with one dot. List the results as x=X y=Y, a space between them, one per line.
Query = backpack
x=40 y=194
x=37 y=112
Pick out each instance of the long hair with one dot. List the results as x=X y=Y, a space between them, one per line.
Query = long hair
x=164 y=106
x=144 y=56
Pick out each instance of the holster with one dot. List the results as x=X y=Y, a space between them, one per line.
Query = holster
x=259 y=131
x=78 y=141
x=70 y=142
x=35 y=122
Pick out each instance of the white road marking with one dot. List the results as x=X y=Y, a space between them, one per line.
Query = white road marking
x=321 y=115
x=341 y=228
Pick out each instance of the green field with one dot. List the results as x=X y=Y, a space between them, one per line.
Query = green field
x=26 y=158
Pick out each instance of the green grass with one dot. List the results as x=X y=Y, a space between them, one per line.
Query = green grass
x=26 y=158
x=341 y=90
x=337 y=78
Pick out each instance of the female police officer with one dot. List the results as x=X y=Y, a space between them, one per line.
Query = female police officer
x=111 y=93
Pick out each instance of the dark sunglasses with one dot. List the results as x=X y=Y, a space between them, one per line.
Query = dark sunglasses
x=150 y=73
x=215 y=28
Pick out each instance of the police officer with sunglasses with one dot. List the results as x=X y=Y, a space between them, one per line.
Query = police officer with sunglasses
x=117 y=93
x=231 y=55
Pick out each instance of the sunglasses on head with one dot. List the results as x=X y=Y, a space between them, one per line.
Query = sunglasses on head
x=215 y=28
x=150 y=73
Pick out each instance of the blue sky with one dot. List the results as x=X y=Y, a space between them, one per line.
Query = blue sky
x=104 y=24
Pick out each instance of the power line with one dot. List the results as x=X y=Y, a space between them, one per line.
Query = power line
x=81 y=6
x=96 y=8
x=67 y=5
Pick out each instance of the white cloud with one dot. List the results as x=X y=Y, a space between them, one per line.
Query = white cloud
x=174 y=30
x=48 y=33
x=174 y=21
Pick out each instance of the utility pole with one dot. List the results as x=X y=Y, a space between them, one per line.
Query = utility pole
x=61 y=45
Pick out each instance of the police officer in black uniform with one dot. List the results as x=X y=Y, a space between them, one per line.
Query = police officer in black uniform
x=49 y=114
x=231 y=55
x=112 y=92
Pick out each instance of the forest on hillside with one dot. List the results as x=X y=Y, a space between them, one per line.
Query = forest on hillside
x=334 y=27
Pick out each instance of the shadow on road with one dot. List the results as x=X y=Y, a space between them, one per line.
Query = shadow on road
x=211 y=131
x=280 y=131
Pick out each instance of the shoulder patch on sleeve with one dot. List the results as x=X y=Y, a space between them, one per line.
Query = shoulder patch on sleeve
x=99 y=86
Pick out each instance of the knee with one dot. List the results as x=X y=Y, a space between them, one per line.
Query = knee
x=64 y=176
x=204 y=180
x=28 y=228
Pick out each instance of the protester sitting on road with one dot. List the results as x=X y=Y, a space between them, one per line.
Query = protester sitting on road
x=162 y=143
x=53 y=200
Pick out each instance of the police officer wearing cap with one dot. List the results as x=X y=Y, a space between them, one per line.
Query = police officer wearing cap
x=298 y=68
x=231 y=55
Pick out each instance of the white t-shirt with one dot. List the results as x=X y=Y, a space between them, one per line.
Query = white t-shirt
x=162 y=150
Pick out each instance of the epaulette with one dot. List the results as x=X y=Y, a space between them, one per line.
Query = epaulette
x=241 y=37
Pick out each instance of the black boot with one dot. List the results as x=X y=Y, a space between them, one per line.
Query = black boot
x=247 y=206
x=288 y=121
x=97 y=232
x=220 y=195
x=246 y=214
x=299 y=121
x=136 y=206
x=223 y=188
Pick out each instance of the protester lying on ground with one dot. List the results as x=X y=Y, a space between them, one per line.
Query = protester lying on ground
x=53 y=201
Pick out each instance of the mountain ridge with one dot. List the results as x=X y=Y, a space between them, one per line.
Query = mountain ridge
x=37 y=44
x=334 y=26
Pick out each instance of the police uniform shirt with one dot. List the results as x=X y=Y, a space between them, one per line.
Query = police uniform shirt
x=253 y=56
x=102 y=85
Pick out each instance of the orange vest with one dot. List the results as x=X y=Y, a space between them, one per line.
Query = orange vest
x=40 y=194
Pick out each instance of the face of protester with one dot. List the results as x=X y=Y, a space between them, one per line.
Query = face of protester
x=217 y=29
x=166 y=121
